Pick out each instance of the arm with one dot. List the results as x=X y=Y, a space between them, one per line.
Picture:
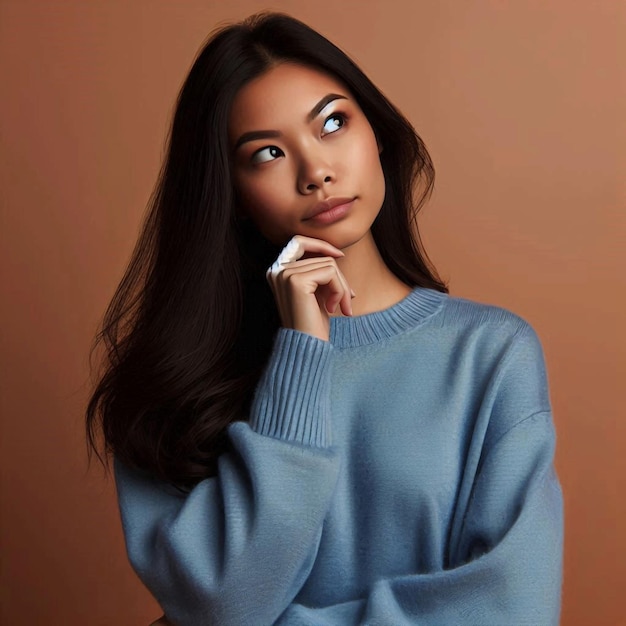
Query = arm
x=505 y=546
x=237 y=549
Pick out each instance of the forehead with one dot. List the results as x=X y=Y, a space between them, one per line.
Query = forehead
x=286 y=91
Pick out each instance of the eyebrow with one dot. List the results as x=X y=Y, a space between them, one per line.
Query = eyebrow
x=270 y=134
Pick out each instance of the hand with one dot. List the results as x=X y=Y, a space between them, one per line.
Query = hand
x=308 y=290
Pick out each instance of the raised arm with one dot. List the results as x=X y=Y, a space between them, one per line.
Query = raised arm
x=237 y=549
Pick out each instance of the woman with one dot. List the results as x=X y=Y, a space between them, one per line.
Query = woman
x=306 y=428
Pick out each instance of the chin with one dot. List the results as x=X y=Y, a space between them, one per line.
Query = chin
x=342 y=238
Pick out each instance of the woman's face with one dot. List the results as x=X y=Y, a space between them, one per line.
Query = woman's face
x=298 y=137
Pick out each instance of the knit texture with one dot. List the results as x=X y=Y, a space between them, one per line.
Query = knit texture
x=401 y=473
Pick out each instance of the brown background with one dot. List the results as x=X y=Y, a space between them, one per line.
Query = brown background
x=522 y=105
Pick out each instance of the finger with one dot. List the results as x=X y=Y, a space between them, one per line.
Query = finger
x=286 y=271
x=281 y=299
x=309 y=280
x=312 y=244
x=309 y=261
x=297 y=246
x=346 y=299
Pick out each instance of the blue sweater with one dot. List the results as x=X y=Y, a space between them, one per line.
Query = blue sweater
x=401 y=473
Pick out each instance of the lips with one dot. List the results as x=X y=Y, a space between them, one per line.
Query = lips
x=326 y=205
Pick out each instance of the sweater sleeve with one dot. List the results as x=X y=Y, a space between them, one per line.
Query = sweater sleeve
x=506 y=543
x=247 y=533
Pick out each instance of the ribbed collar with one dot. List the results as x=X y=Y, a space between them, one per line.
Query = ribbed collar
x=350 y=332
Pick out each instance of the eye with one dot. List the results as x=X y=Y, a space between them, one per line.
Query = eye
x=334 y=122
x=266 y=154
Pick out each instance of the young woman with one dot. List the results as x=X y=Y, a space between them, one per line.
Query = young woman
x=306 y=427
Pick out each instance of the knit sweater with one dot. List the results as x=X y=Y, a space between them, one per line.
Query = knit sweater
x=400 y=473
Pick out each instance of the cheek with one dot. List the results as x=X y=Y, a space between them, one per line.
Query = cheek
x=366 y=158
x=262 y=201
x=364 y=147
x=259 y=197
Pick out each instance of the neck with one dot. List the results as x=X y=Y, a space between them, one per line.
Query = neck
x=376 y=286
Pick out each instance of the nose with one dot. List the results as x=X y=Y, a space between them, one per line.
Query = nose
x=314 y=173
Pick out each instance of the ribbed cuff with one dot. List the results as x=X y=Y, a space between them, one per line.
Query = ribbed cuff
x=292 y=398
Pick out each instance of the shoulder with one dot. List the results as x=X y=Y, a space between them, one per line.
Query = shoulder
x=467 y=312
x=487 y=339
x=499 y=353
x=496 y=324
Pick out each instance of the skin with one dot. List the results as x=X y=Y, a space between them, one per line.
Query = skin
x=335 y=154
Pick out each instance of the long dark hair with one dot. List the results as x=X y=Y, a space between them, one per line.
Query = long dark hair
x=191 y=324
